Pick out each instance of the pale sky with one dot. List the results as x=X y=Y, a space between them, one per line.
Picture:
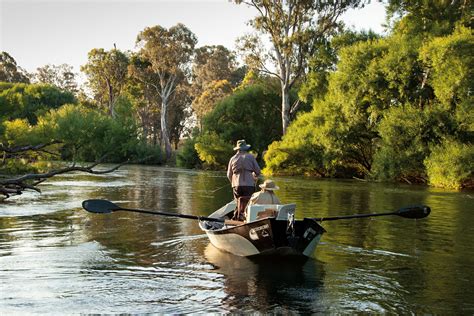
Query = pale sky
x=40 y=32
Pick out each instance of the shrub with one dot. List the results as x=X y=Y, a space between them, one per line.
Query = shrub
x=451 y=165
x=406 y=136
x=213 y=150
x=187 y=156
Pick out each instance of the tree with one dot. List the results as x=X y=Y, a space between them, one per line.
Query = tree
x=255 y=106
x=212 y=63
x=213 y=72
x=451 y=165
x=324 y=61
x=107 y=73
x=61 y=76
x=449 y=65
x=294 y=28
x=165 y=57
x=209 y=97
x=393 y=109
x=10 y=71
x=181 y=111
x=29 y=101
x=429 y=18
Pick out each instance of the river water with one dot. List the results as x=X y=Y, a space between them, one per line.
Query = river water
x=57 y=259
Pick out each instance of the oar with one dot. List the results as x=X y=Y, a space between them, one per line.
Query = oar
x=104 y=206
x=416 y=212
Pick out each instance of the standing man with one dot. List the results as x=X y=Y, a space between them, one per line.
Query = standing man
x=242 y=171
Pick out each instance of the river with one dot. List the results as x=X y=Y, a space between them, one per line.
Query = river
x=57 y=259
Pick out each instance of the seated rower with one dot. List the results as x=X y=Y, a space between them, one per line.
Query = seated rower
x=266 y=195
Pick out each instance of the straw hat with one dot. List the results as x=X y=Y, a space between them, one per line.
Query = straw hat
x=242 y=145
x=269 y=185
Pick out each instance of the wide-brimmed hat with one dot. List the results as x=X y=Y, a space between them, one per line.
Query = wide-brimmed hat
x=269 y=185
x=242 y=145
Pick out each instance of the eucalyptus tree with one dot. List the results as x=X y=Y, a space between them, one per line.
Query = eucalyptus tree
x=61 y=76
x=165 y=56
x=212 y=63
x=107 y=73
x=213 y=71
x=10 y=71
x=208 y=99
x=214 y=74
x=177 y=118
x=294 y=29
x=144 y=100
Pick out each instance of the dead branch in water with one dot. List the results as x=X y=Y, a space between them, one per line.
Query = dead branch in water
x=16 y=186
x=20 y=149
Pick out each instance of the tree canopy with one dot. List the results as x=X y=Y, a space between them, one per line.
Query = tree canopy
x=294 y=29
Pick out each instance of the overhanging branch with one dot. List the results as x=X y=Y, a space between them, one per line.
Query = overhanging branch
x=16 y=186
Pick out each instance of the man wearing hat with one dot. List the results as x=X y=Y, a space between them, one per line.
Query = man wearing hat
x=266 y=195
x=242 y=172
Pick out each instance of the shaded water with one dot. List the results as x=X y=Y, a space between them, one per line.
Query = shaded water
x=55 y=258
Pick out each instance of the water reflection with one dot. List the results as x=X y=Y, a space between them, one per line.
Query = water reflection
x=268 y=284
x=54 y=256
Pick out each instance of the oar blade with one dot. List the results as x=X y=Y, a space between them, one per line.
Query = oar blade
x=416 y=211
x=99 y=206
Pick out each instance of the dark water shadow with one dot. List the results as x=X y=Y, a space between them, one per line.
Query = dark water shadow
x=268 y=284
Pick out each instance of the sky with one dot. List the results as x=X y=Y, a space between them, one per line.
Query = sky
x=40 y=32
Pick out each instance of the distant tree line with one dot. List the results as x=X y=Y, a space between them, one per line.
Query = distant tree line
x=315 y=99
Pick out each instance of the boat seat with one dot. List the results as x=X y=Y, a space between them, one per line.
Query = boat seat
x=259 y=211
x=225 y=210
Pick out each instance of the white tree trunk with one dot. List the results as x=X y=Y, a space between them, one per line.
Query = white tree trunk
x=285 y=108
x=164 y=128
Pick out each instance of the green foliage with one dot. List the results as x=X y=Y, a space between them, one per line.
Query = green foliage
x=89 y=135
x=451 y=65
x=295 y=29
x=323 y=143
x=34 y=114
x=324 y=61
x=451 y=165
x=388 y=103
x=213 y=150
x=106 y=72
x=61 y=76
x=145 y=153
x=187 y=156
x=16 y=132
x=28 y=101
x=17 y=166
x=299 y=152
x=251 y=113
x=429 y=18
x=164 y=61
x=407 y=134
x=10 y=71
x=209 y=96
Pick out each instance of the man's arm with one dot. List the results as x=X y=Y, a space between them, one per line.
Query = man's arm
x=229 y=170
x=256 y=167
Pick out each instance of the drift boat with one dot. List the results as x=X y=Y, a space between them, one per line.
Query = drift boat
x=268 y=230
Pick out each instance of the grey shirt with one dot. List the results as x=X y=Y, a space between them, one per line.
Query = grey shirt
x=240 y=169
x=264 y=197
